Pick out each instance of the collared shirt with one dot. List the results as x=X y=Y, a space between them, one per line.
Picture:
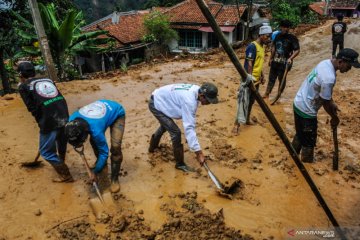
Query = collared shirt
x=179 y=101
x=318 y=86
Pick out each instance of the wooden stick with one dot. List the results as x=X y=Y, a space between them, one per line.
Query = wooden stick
x=69 y=220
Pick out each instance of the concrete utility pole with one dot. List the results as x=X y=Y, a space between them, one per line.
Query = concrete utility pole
x=249 y=16
x=44 y=44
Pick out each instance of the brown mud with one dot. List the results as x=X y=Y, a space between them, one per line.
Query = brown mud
x=158 y=202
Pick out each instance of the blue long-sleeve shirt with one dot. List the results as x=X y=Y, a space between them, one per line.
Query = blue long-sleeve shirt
x=100 y=115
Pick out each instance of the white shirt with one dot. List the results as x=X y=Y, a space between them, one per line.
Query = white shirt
x=317 y=86
x=179 y=101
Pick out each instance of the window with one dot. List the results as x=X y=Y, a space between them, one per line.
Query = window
x=190 y=38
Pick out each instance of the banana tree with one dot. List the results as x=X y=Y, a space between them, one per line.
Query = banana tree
x=65 y=37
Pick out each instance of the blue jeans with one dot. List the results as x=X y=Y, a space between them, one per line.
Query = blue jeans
x=52 y=144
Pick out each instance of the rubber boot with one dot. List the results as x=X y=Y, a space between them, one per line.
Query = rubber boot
x=62 y=157
x=63 y=172
x=179 y=158
x=115 y=170
x=307 y=154
x=296 y=144
x=154 y=143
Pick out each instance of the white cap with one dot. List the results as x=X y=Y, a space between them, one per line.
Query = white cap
x=265 y=30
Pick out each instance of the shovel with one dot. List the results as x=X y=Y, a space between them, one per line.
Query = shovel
x=224 y=191
x=103 y=202
x=336 y=150
x=33 y=164
x=281 y=85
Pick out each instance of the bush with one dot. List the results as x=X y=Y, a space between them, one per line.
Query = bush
x=310 y=17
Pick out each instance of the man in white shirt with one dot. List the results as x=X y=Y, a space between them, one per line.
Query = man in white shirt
x=315 y=92
x=180 y=101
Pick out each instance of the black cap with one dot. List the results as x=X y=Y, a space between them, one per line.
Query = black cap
x=285 y=23
x=350 y=56
x=340 y=16
x=25 y=67
x=210 y=91
x=76 y=132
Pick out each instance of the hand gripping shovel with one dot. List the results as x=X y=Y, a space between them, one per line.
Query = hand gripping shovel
x=224 y=191
x=80 y=151
x=281 y=85
x=336 y=150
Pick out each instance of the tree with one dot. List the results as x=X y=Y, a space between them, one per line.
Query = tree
x=158 y=28
x=292 y=10
x=8 y=38
x=65 y=37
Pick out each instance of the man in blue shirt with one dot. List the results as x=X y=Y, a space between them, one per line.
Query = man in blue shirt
x=93 y=120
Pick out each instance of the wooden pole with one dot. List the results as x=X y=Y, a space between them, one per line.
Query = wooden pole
x=204 y=9
x=44 y=44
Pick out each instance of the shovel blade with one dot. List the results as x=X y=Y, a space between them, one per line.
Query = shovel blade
x=102 y=209
x=33 y=164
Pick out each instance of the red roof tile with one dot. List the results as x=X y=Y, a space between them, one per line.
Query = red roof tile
x=344 y=4
x=318 y=7
x=189 y=12
x=129 y=29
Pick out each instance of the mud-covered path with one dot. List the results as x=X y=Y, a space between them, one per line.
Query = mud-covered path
x=275 y=197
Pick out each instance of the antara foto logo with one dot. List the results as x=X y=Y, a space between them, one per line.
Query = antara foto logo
x=291 y=232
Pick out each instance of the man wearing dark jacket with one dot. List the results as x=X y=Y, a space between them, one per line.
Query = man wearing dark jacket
x=49 y=108
x=284 y=50
x=338 y=29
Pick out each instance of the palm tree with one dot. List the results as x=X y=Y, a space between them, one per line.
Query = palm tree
x=65 y=38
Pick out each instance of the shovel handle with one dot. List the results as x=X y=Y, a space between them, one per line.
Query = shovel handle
x=80 y=151
x=336 y=150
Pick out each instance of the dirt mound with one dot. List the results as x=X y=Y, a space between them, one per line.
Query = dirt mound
x=226 y=154
x=195 y=222
x=187 y=219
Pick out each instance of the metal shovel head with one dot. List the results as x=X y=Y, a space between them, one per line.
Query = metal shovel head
x=33 y=164
x=229 y=190
x=101 y=209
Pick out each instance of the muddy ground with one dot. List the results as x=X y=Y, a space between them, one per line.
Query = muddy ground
x=158 y=202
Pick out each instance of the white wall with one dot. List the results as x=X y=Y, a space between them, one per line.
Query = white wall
x=205 y=40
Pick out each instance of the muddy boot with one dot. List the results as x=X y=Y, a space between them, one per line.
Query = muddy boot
x=296 y=144
x=154 y=143
x=115 y=170
x=63 y=172
x=179 y=158
x=307 y=154
x=62 y=157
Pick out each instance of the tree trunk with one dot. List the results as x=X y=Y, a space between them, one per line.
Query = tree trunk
x=3 y=74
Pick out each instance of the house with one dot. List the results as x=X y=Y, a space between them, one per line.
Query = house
x=318 y=7
x=349 y=8
x=195 y=33
x=127 y=29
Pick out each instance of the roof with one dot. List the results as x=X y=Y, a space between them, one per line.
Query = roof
x=189 y=12
x=126 y=28
x=344 y=4
x=318 y=7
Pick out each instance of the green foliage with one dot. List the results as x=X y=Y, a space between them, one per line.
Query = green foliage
x=64 y=36
x=310 y=17
x=124 y=68
x=296 y=11
x=158 y=28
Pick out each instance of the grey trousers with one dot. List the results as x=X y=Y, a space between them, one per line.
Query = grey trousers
x=166 y=124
